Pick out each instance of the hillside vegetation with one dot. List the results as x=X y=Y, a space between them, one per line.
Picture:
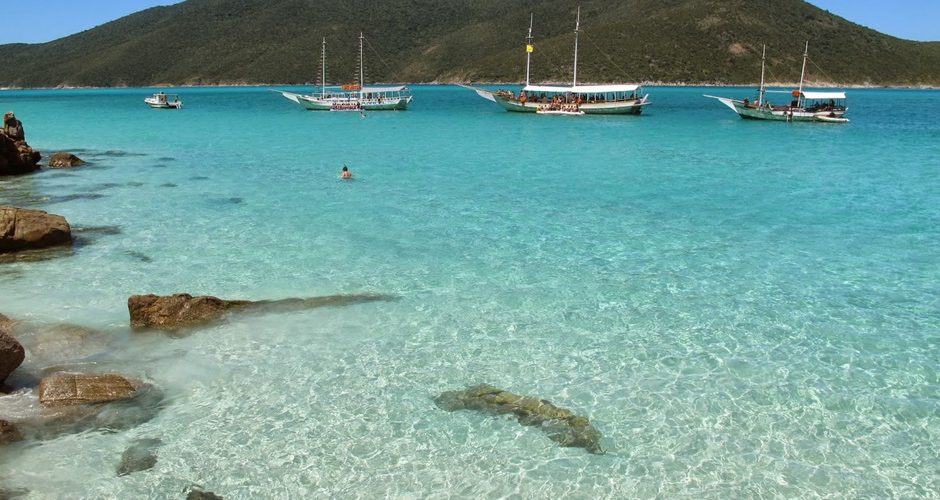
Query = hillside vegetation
x=278 y=41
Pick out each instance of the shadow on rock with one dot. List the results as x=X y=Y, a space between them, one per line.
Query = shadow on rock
x=561 y=425
x=183 y=311
x=139 y=456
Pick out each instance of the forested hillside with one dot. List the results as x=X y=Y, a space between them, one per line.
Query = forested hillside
x=278 y=41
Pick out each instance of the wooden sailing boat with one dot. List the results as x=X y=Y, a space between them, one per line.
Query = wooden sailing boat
x=576 y=99
x=354 y=97
x=805 y=106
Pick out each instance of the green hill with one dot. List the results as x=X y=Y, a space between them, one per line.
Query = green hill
x=278 y=41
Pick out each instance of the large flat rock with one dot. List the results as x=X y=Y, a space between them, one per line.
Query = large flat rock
x=25 y=229
x=64 y=389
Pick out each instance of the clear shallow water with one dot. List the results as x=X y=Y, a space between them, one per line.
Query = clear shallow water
x=742 y=309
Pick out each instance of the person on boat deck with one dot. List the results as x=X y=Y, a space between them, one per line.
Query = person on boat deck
x=346 y=173
x=747 y=102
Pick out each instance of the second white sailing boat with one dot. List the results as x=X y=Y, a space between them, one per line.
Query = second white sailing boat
x=355 y=97
x=613 y=99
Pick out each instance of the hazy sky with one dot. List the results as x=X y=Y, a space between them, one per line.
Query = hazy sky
x=33 y=21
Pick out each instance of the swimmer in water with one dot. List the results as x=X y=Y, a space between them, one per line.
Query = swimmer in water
x=346 y=175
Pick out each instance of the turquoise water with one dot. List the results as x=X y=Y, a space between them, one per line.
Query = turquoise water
x=743 y=309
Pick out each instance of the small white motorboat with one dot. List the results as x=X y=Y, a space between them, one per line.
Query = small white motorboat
x=831 y=119
x=162 y=100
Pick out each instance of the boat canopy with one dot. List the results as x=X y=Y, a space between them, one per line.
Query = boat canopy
x=582 y=89
x=379 y=90
x=823 y=95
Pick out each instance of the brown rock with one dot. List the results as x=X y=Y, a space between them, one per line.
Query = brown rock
x=63 y=389
x=173 y=312
x=64 y=160
x=24 y=229
x=197 y=493
x=16 y=157
x=561 y=425
x=9 y=433
x=177 y=311
x=11 y=352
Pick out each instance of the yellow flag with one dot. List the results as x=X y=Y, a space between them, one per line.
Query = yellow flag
x=530 y=48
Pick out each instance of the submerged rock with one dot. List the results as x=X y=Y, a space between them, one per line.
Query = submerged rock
x=561 y=425
x=9 y=433
x=12 y=353
x=10 y=494
x=16 y=157
x=65 y=389
x=140 y=455
x=173 y=312
x=25 y=229
x=197 y=493
x=64 y=160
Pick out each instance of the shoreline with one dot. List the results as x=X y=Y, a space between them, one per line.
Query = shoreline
x=861 y=86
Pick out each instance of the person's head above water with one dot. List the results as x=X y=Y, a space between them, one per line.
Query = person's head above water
x=345 y=168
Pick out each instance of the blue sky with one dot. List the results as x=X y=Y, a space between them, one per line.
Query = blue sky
x=43 y=20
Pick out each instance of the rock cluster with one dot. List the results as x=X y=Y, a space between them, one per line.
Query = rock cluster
x=25 y=229
x=16 y=157
x=561 y=425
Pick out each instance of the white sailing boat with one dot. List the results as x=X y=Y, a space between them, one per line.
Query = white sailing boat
x=353 y=97
x=612 y=99
x=805 y=106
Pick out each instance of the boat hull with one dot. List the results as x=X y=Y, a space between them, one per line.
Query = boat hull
x=315 y=103
x=630 y=107
x=781 y=114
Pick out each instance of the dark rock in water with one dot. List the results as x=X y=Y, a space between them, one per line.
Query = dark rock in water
x=65 y=389
x=197 y=493
x=72 y=197
x=50 y=345
x=561 y=425
x=173 y=312
x=64 y=160
x=9 y=433
x=142 y=257
x=25 y=229
x=140 y=455
x=16 y=157
x=11 y=352
x=10 y=494
x=97 y=230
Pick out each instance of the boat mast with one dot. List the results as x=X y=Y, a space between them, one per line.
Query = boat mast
x=362 y=76
x=760 y=95
x=323 y=69
x=528 y=50
x=577 y=29
x=803 y=71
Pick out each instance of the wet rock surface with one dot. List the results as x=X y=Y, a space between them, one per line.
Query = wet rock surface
x=9 y=433
x=174 y=312
x=12 y=353
x=16 y=157
x=140 y=455
x=198 y=493
x=25 y=229
x=561 y=425
x=65 y=388
x=64 y=160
